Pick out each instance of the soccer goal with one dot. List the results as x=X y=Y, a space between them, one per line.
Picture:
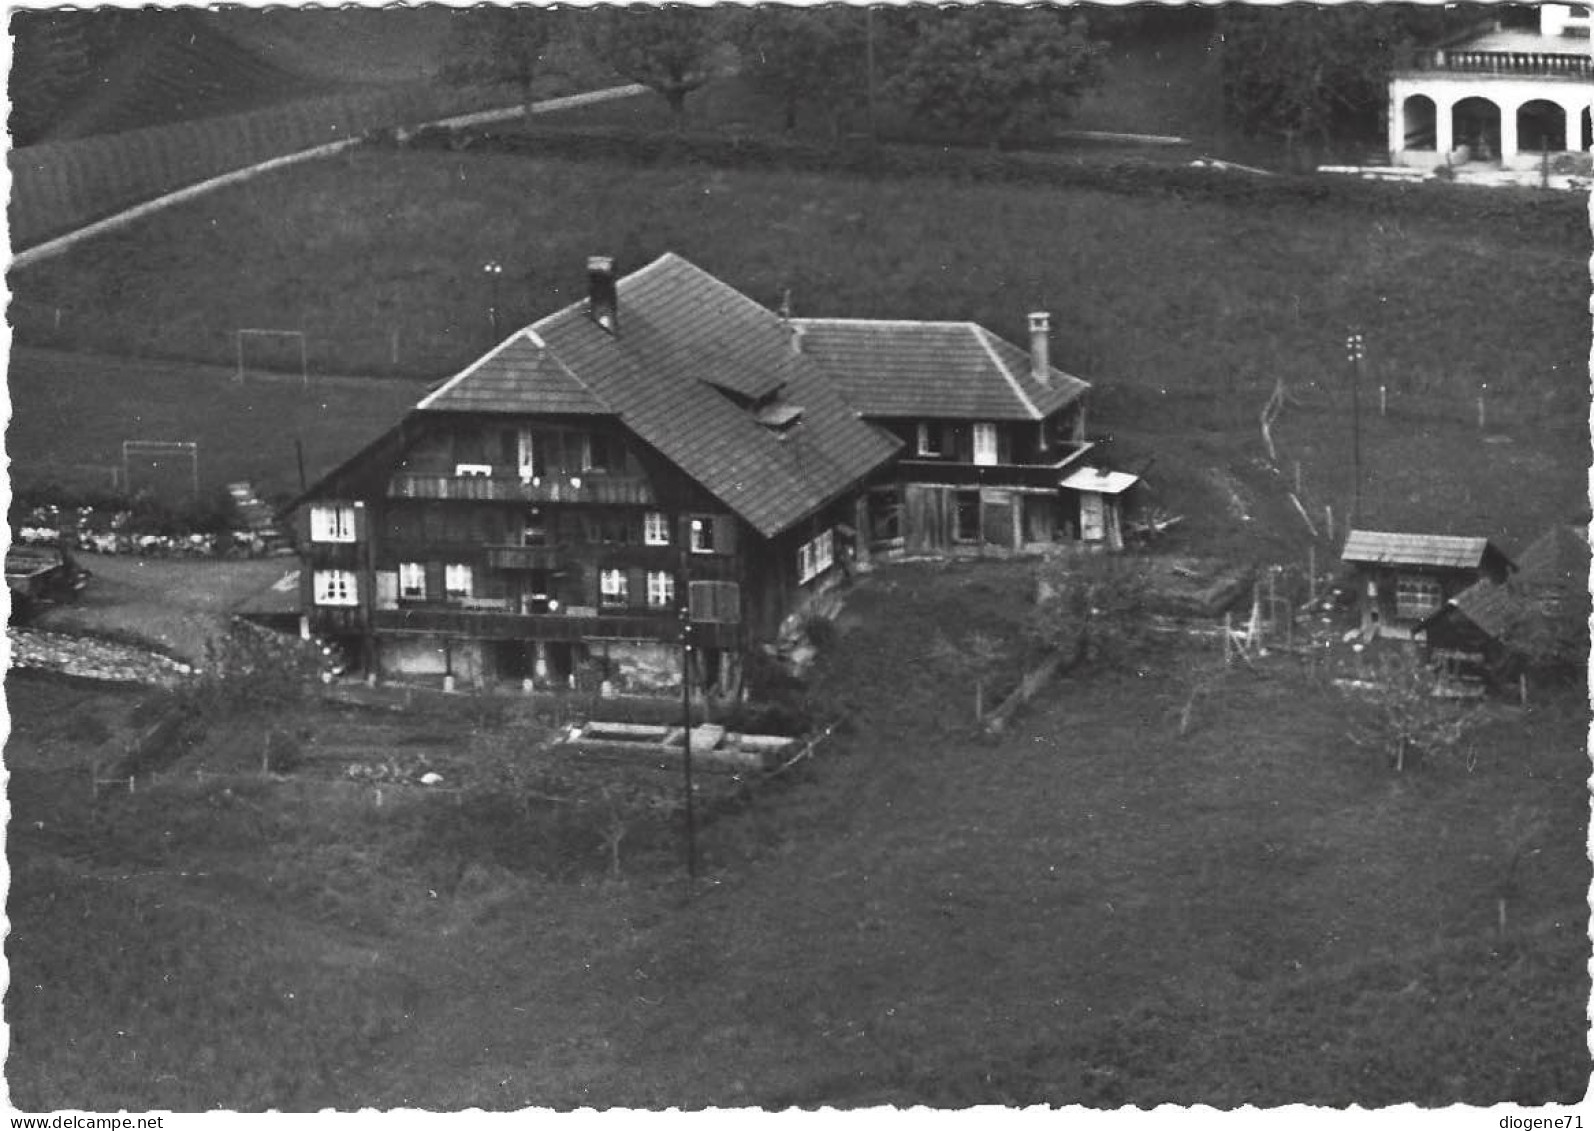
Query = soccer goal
x=271 y=351
x=161 y=467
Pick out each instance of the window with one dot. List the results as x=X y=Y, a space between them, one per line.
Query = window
x=702 y=536
x=1416 y=597
x=661 y=589
x=332 y=523
x=613 y=529
x=929 y=439
x=535 y=530
x=336 y=587
x=412 y=580
x=985 y=444
x=473 y=470
x=612 y=587
x=655 y=529
x=815 y=556
x=457 y=580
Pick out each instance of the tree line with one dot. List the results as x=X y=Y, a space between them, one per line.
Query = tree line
x=996 y=71
x=1299 y=72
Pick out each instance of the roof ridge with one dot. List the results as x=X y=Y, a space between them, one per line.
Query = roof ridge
x=984 y=337
x=527 y=332
x=895 y=322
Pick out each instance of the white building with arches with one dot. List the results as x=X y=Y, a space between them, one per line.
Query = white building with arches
x=1506 y=97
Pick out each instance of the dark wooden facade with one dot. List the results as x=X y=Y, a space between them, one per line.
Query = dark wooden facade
x=522 y=548
x=954 y=490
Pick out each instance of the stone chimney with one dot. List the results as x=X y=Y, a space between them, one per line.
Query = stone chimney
x=603 y=299
x=1040 y=347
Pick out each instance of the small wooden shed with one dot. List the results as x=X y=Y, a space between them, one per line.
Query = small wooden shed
x=1537 y=619
x=1402 y=580
x=1099 y=498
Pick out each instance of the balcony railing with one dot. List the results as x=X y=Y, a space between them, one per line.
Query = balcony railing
x=957 y=474
x=523 y=557
x=592 y=625
x=1540 y=64
x=509 y=489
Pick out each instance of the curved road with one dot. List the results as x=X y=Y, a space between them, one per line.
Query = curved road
x=62 y=243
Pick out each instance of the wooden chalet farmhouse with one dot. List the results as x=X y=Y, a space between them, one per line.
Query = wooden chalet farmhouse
x=667 y=442
x=1403 y=579
x=988 y=433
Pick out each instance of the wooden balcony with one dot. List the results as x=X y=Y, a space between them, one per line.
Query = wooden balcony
x=603 y=489
x=954 y=474
x=498 y=625
x=525 y=557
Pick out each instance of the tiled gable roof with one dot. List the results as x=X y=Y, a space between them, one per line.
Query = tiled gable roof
x=1374 y=547
x=519 y=375
x=949 y=370
x=684 y=336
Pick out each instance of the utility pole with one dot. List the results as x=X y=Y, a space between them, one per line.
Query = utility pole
x=685 y=601
x=868 y=26
x=1355 y=353
x=494 y=270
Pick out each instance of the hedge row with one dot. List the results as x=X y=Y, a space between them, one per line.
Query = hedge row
x=58 y=187
x=1557 y=214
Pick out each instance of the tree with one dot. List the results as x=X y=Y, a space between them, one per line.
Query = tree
x=1095 y=608
x=668 y=49
x=1314 y=71
x=500 y=45
x=803 y=55
x=1413 y=715
x=1003 y=72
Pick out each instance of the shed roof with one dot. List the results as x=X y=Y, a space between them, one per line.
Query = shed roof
x=1100 y=481
x=1374 y=547
x=948 y=370
x=1543 y=609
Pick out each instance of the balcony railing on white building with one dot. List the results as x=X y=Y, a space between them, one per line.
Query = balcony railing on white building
x=1535 y=64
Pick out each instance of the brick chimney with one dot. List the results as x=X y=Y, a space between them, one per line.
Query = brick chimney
x=603 y=299
x=1040 y=347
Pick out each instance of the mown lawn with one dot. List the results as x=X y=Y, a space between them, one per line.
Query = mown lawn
x=1092 y=910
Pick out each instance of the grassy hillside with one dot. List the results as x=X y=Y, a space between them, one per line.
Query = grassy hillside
x=1092 y=911
x=1184 y=312
x=70 y=414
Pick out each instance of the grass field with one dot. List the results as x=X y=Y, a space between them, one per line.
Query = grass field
x=1091 y=911
x=71 y=413
x=1182 y=312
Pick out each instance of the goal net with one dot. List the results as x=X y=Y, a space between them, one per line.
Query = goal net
x=161 y=469
x=271 y=353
